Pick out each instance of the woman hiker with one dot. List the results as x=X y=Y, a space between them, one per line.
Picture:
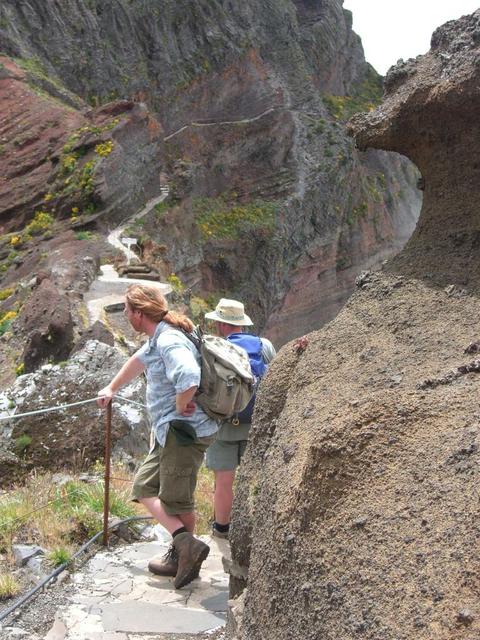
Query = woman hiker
x=166 y=481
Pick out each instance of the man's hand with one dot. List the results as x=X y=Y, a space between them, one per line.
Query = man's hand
x=105 y=396
x=189 y=409
x=184 y=403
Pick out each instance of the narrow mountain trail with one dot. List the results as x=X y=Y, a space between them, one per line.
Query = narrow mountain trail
x=221 y=122
x=109 y=288
x=114 y=237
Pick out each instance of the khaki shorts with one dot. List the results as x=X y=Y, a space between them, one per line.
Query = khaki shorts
x=225 y=455
x=170 y=473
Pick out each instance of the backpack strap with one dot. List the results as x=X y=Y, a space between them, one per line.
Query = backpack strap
x=195 y=336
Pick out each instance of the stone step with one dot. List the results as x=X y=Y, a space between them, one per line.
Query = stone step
x=135 y=268
x=153 y=277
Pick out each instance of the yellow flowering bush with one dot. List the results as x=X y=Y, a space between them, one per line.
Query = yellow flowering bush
x=86 y=176
x=40 y=223
x=175 y=282
x=20 y=370
x=104 y=149
x=6 y=320
x=6 y=293
x=69 y=162
x=16 y=241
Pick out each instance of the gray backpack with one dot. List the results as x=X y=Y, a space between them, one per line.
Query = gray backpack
x=227 y=383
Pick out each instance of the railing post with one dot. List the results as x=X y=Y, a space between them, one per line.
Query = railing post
x=106 y=500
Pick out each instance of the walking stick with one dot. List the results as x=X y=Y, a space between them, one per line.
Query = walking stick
x=106 y=500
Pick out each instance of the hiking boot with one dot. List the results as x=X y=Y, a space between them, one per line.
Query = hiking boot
x=166 y=565
x=191 y=552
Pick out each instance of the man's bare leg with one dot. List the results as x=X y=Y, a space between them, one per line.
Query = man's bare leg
x=170 y=522
x=223 y=497
x=188 y=520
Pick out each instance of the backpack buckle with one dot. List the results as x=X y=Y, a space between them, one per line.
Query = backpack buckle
x=235 y=421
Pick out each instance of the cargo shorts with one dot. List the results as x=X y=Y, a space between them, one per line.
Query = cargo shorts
x=225 y=455
x=170 y=473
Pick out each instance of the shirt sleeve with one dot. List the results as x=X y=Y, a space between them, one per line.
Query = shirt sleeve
x=140 y=353
x=181 y=367
x=268 y=350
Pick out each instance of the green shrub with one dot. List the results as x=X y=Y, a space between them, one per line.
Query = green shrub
x=364 y=97
x=162 y=207
x=90 y=497
x=68 y=162
x=59 y=556
x=22 y=443
x=84 y=235
x=90 y=522
x=218 y=218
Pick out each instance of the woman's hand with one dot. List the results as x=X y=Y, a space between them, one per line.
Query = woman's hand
x=105 y=396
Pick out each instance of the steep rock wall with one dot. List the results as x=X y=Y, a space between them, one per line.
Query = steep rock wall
x=239 y=91
x=356 y=514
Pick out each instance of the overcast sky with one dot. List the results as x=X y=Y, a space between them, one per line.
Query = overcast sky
x=391 y=30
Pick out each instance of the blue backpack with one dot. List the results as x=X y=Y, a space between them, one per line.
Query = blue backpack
x=253 y=346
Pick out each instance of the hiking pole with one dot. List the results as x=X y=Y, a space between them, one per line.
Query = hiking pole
x=106 y=499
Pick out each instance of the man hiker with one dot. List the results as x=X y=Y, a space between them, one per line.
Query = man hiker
x=165 y=482
x=224 y=455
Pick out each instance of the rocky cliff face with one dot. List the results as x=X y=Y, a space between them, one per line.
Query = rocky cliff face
x=270 y=200
x=357 y=512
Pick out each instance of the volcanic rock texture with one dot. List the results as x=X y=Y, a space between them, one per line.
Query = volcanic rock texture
x=269 y=200
x=357 y=510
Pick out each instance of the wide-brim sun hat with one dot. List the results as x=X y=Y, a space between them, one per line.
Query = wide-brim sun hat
x=230 y=312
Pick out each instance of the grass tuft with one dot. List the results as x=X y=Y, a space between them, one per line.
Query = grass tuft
x=59 y=556
x=9 y=586
x=204 y=501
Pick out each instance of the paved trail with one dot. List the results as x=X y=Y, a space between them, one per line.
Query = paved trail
x=116 y=598
x=109 y=288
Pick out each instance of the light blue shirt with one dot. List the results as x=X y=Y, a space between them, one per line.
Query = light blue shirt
x=172 y=364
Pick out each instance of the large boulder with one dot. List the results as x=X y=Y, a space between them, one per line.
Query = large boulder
x=357 y=507
x=48 y=325
x=72 y=438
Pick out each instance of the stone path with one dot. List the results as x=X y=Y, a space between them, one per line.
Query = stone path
x=116 y=598
x=109 y=288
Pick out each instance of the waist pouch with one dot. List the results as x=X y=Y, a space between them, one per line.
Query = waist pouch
x=185 y=434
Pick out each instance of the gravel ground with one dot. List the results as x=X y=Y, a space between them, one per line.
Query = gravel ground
x=36 y=616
